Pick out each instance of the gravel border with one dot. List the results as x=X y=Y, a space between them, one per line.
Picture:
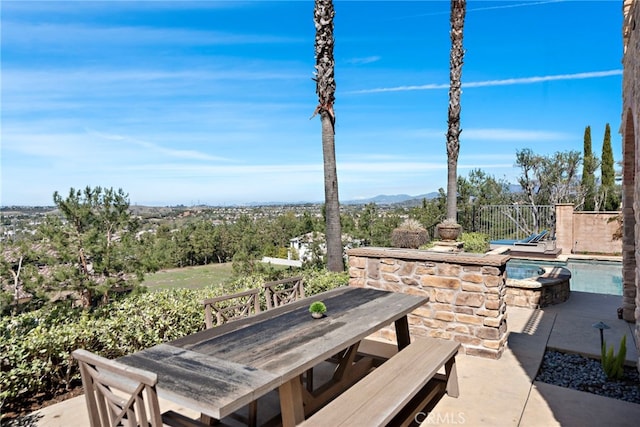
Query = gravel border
x=581 y=373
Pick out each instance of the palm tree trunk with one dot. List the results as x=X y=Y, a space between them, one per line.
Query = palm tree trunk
x=325 y=88
x=333 y=230
x=458 y=9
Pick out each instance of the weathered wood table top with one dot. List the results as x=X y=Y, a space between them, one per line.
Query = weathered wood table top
x=217 y=371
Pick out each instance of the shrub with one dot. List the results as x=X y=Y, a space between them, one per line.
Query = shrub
x=35 y=347
x=317 y=281
x=475 y=242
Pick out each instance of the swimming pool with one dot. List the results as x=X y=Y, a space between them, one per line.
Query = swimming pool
x=594 y=276
x=519 y=270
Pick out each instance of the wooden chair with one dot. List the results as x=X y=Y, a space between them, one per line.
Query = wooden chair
x=120 y=395
x=285 y=291
x=227 y=308
x=281 y=292
x=230 y=307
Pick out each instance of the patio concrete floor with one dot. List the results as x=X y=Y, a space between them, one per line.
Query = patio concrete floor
x=496 y=392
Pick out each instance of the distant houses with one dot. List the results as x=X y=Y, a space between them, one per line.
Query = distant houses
x=309 y=248
x=303 y=247
x=313 y=244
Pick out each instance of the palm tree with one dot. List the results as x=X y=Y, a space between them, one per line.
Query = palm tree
x=458 y=10
x=325 y=88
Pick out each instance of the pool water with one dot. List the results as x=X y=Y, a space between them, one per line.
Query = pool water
x=594 y=276
x=521 y=271
x=599 y=277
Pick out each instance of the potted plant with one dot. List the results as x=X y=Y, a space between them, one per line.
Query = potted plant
x=317 y=309
x=410 y=234
x=449 y=230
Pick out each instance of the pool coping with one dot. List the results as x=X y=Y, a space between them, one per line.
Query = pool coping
x=551 y=275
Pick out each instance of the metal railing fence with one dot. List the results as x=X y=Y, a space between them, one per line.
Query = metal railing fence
x=513 y=221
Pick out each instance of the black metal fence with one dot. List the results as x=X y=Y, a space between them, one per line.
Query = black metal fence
x=512 y=221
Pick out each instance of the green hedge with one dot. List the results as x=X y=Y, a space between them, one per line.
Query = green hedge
x=36 y=347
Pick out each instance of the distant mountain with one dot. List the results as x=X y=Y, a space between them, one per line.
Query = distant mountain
x=405 y=199
x=384 y=199
x=515 y=188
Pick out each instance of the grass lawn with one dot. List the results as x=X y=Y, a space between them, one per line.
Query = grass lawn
x=189 y=277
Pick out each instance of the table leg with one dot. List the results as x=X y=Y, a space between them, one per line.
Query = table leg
x=402 y=332
x=291 y=405
x=452 y=377
x=208 y=421
x=348 y=372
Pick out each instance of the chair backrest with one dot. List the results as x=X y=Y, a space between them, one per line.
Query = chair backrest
x=540 y=236
x=283 y=291
x=229 y=307
x=116 y=394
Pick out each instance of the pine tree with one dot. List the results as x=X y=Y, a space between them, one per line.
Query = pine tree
x=588 y=170
x=611 y=201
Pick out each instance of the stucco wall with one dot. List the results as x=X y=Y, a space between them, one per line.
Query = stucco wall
x=593 y=233
x=586 y=232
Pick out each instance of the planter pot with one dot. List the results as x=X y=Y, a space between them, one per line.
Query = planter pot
x=411 y=239
x=317 y=315
x=449 y=232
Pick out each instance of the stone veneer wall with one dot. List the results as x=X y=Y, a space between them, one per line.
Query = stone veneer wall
x=466 y=293
x=550 y=288
x=630 y=146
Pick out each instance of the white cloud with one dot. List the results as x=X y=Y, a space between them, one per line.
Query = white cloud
x=91 y=152
x=539 y=79
x=399 y=167
x=35 y=145
x=513 y=135
x=17 y=82
x=502 y=82
x=446 y=11
x=169 y=152
x=507 y=6
x=484 y=134
x=389 y=167
x=364 y=60
x=20 y=34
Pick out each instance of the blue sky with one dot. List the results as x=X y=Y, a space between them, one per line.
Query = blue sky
x=209 y=102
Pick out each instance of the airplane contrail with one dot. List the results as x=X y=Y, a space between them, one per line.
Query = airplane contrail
x=502 y=82
x=480 y=9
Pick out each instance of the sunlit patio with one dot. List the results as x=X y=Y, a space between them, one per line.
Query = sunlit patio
x=499 y=392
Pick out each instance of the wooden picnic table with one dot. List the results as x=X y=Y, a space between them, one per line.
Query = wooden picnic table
x=218 y=371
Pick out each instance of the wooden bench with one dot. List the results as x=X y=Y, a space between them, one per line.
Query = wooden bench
x=379 y=351
x=397 y=390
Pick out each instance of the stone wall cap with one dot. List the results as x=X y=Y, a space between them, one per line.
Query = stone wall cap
x=551 y=275
x=494 y=260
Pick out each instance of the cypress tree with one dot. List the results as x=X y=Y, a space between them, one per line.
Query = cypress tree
x=588 y=170
x=611 y=201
